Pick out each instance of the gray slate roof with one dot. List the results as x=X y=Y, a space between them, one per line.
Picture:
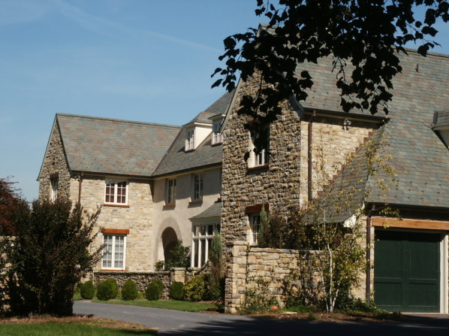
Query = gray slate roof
x=205 y=154
x=419 y=157
x=213 y=211
x=114 y=146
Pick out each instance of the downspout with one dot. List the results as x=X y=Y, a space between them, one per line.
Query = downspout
x=80 y=181
x=368 y=256
x=309 y=158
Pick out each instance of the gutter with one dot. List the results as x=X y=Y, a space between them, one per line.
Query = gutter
x=309 y=157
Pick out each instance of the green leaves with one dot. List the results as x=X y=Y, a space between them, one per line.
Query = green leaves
x=366 y=34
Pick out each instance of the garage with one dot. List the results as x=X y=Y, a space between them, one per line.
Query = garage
x=407 y=271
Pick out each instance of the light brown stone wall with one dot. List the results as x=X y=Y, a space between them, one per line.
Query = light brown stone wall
x=137 y=217
x=332 y=143
x=54 y=162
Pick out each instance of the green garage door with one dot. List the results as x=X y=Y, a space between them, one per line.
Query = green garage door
x=407 y=271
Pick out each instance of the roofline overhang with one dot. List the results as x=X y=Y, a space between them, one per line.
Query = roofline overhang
x=347 y=115
x=186 y=171
x=95 y=173
x=420 y=208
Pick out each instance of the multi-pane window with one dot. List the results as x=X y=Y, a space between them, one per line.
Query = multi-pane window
x=54 y=189
x=190 y=140
x=114 y=252
x=216 y=135
x=198 y=187
x=171 y=191
x=116 y=192
x=259 y=147
x=201 y=242
x=254 y=223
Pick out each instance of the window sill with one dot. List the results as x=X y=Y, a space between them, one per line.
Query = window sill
x=217 y=144
x=256 y=168
x=112 y=270
x=169 y=206
x=196 y=202
x=189 y=150
x=116 y=205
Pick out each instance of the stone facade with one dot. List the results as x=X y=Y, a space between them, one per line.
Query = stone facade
x=136 y=217
x=276 y=184
x=54 y=165
x=332 y=144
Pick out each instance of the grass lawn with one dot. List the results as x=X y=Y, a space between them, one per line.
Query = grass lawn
x=169 y=304
x=70 y=327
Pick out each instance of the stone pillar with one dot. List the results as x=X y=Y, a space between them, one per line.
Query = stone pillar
x=178 y=274
x=236 y=276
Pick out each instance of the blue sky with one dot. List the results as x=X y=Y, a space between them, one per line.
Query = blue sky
x=143 y=60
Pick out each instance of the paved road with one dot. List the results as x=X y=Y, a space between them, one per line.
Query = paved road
x=178 y=323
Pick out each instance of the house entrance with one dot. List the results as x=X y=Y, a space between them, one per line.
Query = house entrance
x=169 y=240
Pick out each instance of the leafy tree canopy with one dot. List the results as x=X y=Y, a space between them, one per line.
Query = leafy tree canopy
x=366 y=35
x=9 y=198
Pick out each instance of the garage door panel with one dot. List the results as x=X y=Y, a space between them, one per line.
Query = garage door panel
x=407 y=276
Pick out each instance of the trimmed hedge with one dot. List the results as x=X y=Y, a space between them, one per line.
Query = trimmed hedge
x=129 y=290
x=107 y=290
x=154 y=290
x=87 y=290
x=177 y=290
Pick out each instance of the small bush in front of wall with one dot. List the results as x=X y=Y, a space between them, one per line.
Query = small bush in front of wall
x=129 y=290
x=177 y=290
x=87 y=290
x=154 y=290
x=196 y=288
x=107 y=290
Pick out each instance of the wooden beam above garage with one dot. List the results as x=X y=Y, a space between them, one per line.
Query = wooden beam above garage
x=410 y=223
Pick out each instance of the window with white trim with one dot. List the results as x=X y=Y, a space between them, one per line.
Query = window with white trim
x=54 y=189
x=190 y=140
x=116 y=192
x=201 y=241
x=114 y=252
x=197 y=187
x=259 y=147
x=170 y=192
x=254 y=224
x=217 y=137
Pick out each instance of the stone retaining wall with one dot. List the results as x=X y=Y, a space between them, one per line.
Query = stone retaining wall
x=246 y=265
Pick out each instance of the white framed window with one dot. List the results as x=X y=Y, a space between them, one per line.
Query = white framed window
x=254 y=224
x=114 y=251
x=54 y=189
x=217 y=137
x=116 y=192
x=259 y=147
x=201 y=241
x=197 y=187
x=170 y=192
x=190 y=140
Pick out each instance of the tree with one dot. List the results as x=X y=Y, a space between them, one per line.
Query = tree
x=179 y=256
x=362 y=37
x=9 y=198
x=46 y=256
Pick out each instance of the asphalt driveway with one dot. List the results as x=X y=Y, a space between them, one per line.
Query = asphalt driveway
x=176 y=323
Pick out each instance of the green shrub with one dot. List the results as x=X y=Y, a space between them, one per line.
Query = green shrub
x=179 y=256
x=129 y=291
x=87 y=290
x=177 y=290
x=107 y=290
x=196 y=288
x=154 y=290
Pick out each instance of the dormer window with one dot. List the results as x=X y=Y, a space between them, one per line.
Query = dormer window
x=190 y=140
x=217 y=137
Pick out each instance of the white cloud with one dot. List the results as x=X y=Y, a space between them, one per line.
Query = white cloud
x=102 y=26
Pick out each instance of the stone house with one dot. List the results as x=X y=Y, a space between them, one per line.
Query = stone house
x=159 y=183
x=306 y=154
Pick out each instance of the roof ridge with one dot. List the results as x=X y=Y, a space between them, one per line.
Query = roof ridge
x=114 y=120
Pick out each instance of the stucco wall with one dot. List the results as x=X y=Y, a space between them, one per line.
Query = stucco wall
x=178 y=217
